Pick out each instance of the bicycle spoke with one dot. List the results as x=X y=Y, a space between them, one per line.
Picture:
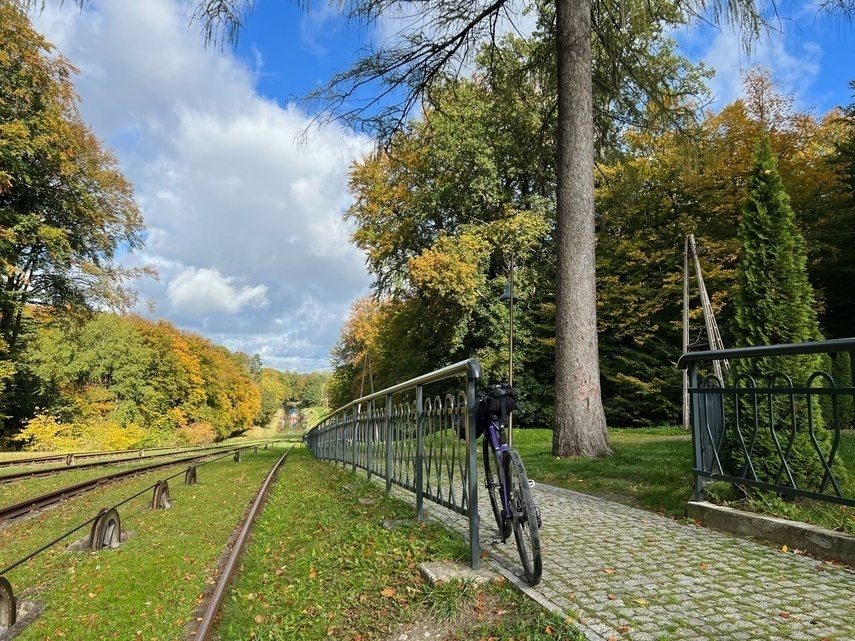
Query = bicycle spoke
x=526 y=519
x=491 y=473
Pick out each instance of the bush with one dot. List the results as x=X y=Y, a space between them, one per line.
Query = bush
x=197 y=433
x=44 y=433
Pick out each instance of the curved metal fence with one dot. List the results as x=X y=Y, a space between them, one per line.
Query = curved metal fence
x=775 y=424
x=415 y=435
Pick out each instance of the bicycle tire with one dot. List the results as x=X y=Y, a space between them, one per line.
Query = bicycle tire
x=491 y=463
x=525 y=519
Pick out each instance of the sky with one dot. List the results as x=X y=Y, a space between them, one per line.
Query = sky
x=245 y=223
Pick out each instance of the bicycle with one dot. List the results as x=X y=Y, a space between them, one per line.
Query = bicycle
x=507 y=482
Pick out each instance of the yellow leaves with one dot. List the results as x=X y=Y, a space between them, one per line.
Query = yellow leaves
x=388 y=592
x=450 y=268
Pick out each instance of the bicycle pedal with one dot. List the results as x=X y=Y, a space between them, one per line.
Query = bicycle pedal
x=531 y=483
x=496 y=543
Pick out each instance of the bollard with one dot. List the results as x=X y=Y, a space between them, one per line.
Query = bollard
x=237 y=457
x=190 y=476
x=69 y=460
x=255 y=450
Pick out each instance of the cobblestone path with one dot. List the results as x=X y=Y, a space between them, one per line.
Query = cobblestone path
x=628 y=574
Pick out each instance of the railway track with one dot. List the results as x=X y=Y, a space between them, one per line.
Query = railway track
x=49 y=471
x=21 y=508
x=73 y=456
x=204 y=630
x=229 y=560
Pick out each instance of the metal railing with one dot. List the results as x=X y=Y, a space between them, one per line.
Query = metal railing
x=422 y=444
x=741 y=424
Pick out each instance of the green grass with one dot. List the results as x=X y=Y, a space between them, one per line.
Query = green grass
x=147 y=588
x=323 y=566
x=650 y=468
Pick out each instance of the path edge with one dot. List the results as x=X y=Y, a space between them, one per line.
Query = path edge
x=816 y=541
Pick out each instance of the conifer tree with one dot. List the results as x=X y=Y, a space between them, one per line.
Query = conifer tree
x=775 y=305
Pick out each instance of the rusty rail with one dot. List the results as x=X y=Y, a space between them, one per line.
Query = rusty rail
x=49 y=458
x=16 y=510
x=206 y=623
x=49 y=471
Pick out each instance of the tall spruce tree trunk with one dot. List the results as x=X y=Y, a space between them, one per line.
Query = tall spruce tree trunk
x=580 y=424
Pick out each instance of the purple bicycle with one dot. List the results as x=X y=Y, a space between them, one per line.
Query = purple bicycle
x=507 y=483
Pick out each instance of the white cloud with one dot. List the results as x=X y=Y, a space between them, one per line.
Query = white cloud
x=793 y=57
x=245 y=226
x=199 y=292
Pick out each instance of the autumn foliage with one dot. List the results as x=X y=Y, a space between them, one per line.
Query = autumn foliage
x=117 y=382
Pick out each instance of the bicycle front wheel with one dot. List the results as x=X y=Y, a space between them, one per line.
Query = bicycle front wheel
x=491 y=473
x=525 y=519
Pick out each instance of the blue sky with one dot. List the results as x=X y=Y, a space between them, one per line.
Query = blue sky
x=245 y=225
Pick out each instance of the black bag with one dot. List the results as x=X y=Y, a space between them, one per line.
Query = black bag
x=497 y=403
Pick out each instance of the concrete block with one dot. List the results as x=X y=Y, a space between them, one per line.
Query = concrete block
x=441 y=572
x=819 y=542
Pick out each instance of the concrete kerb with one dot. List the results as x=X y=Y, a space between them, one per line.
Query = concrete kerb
x=523 y=586
x=819 y=542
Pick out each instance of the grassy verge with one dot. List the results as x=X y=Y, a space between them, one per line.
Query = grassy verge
x=652 y=469
x=149 y=587
x=322 y=565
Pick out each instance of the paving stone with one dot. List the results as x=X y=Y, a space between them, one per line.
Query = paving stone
x=695 y=582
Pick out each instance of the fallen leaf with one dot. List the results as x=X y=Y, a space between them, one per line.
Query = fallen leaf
x=388 y=592
x=783 y=548
x=259 y=619
x=623 y=629
x=785 y=615
x=703 y=566
x=640 y=601
x=609 y=571
x=612 y=598
x=549 y=629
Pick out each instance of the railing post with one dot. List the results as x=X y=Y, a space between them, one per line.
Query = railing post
x=420 y=453
x=354 y=431
x=369 y=441
x=472 y=464
x=697 y=443
x=388 y=445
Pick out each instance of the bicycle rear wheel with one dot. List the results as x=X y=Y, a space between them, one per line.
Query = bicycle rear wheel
x=491 y=473
x=525 y=519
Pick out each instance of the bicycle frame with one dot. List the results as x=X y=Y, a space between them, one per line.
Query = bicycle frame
x=494 y=435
